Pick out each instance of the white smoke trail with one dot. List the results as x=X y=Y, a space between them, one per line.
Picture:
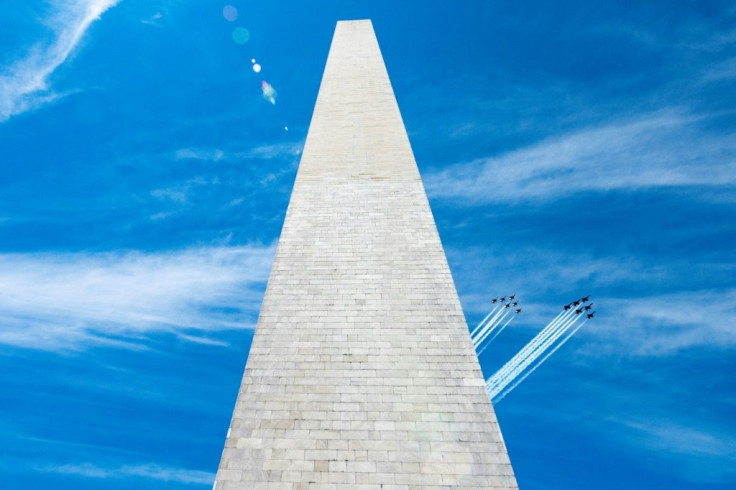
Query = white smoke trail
x=489 y=324
x=531 y=346
x=477 y=327
x=523 y=364
x=489 y=330
x=541 y=361
x=529 y=354
x=521 y=361
x=496 y=334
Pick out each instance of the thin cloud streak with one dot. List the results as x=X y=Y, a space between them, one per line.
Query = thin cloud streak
x=24 y=85
x=643 y=325
x=262 y=152
x=147 y=471
x=666 y=149
x=699 y=454
x=71 y=301
x=665 y=324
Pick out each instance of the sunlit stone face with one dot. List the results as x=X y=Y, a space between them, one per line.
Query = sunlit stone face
x=361 y=374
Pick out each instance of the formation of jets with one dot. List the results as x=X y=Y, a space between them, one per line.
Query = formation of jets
x=583 y=307
x=510 y=303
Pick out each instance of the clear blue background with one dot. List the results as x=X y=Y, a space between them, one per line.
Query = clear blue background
x=567 y=149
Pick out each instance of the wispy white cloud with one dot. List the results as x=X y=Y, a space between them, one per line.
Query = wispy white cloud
x=24 y=84
x=69 y=301
x=667 y=323
x=699 y=454
x=634 y=325
x=206 y=154
x=262 y=152
x=657 y=150
x=153 y=20
x=146 y=471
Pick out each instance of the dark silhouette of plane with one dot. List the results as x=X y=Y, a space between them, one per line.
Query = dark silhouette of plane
x=590 y=315
x=585 y=299
x=515 y=303
x=494 y=300
x=578 y=311
x=587 y=307
x=512 y=297
x=567 y=307
x=507 y=305
x=518 y=310
x=503 y=299
x=576 y=302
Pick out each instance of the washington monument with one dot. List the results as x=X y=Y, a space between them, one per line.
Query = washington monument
x=362 y=374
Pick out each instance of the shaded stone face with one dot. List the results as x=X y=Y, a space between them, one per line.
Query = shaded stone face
x=361 y=374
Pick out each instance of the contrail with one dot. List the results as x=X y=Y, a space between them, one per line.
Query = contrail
x=519 y=362
x=533 y=349
x=496 y=335
x=472 y=334
x=486 y=324
x=539 y=349
x=489 y=328
x=489 y=325
x=541 y=361
x=532 y=346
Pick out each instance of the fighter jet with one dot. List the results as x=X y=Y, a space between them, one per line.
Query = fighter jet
x=507 y=305
x=494 y=300
x=518 y=310
x=503 y=299
x=511 y=298
x=590 y=315
x=567 y=307
x=578 y=311
x=585 y=299
x=515 y=303
x=587 y=307
x=576 y=302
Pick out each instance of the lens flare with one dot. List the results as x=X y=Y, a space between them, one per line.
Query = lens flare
x=252 y=60
x=230 y=13
x=286 y=128
x=257 y=68
x=241 y=35
x=269 y=93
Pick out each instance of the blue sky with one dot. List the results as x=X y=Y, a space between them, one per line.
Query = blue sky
x=567 y=149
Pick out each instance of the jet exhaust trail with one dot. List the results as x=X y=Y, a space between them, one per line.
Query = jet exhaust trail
x=523 y=359
x=472 y=334
x=541 y=361
x=519 y=363
x=556 y=333
x=533 y=345
x=494 y=320
x=495 y=335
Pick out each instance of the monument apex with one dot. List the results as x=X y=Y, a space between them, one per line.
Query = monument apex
x=361 y=374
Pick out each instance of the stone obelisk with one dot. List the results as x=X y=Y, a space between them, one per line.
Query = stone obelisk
x=361 y=374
